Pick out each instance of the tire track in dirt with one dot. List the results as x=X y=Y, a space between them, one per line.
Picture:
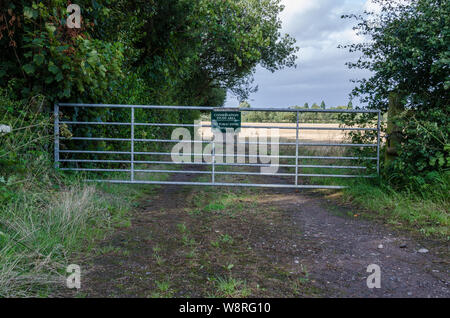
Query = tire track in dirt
x=129 y=275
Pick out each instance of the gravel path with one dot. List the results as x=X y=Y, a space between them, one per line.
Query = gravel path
x=338 y=248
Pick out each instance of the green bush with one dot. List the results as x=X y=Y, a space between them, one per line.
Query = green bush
x=407 y=54
x=425 y=150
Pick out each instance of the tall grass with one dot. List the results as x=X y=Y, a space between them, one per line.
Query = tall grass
x=43 y=227
x=427 y=212
x=46 y=216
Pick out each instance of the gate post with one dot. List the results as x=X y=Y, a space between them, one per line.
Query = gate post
x=378 y=142
x=296 y=148
x=132 y=144
x=56 y=134
x=213 y=158
x=393 y=131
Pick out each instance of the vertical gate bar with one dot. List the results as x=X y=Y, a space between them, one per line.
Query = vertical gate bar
x=56 y=134
x=296 y=148
x=378 y=142
x=132 y=144
x=213 y=159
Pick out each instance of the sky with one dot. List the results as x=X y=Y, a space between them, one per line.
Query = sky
x=321 y=73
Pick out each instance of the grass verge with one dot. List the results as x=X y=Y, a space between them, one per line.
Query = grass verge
x=425 y=213
x=46 y=218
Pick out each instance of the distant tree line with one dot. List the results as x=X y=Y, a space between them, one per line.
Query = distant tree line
x=291 y=117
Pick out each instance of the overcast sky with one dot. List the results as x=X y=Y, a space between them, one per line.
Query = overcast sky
x=321 y=73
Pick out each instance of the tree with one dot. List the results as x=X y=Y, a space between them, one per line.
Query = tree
x=322 y=105
x=173 y=51
x=244 y=104
x=315 y=106
x=236 y=36
x=306 y=106
x=350 y=105
x=407 y=53
x=40 y=55
x=197 y=45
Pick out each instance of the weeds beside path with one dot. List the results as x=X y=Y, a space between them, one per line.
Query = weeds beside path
x=219 y=242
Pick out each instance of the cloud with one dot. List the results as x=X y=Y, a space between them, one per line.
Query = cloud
x=321 y=73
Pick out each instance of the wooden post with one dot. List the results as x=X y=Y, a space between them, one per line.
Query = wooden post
x=394 y=137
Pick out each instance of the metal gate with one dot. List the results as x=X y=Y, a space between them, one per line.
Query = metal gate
x=291 y=176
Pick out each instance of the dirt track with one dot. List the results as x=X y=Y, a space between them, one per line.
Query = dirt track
x=285 y=244
x=338 y=247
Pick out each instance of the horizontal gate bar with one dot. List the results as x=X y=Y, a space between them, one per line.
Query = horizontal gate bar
x=214 y=108
x=95 y=139
x=258 y=174
x=165 y=140
x=337 y=158
x=257 y=143
x=337 y=145
x=94 y=123
x=96 y=152
x=95 y=170
x=137 y=106
x=224 y=184
x=336 y=128
x=218 y=172
x=209 y=126
x=169 y=163
x=222 y=173
x=335 y=175
x=206 y=141
x=207 y=163
x=94 y=161
x=225 y=155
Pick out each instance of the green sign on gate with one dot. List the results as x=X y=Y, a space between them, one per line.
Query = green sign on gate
x=225 y=119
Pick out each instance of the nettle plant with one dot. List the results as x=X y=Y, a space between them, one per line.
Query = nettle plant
x=44 y=56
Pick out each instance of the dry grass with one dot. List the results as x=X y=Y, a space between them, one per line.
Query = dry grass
x=40 y=231
x=305 y=134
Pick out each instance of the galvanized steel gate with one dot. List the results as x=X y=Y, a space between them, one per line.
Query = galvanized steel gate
x=64 y=156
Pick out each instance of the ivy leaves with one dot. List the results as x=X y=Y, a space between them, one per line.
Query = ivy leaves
x=29 y=69
x=53 y=60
